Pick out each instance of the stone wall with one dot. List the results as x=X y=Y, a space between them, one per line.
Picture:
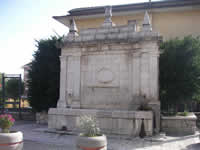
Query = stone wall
x=179 y=125
x=198 y=119
x=42 y=117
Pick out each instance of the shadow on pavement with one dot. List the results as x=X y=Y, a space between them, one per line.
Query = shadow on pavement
x=193 y=147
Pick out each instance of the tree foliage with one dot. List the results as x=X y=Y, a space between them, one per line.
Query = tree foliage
x=0 y=88
x=12 y=88
x=44 y=75
x=180 y=70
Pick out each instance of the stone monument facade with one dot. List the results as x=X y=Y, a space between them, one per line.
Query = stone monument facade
x=109 y=72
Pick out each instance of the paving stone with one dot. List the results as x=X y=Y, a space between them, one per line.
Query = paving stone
x=36 y=139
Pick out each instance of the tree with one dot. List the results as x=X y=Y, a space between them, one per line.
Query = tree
x=179 y=71
x=12 y=89
x=44 y=75
x=0 y=88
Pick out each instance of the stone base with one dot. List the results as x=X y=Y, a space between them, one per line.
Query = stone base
x=41 y=117
x=110 y=122
x=179 y=125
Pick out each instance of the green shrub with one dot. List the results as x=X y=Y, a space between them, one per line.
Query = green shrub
x=179 y=71
x=185 y=113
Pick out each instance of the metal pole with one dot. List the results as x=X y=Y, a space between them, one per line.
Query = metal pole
x=3 y=93
x=1 y=102
x=20 y=85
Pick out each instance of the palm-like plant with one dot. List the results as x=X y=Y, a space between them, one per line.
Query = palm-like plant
x=89 y=126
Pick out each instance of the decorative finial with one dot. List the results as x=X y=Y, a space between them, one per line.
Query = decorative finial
x=146 y=23
x=108 y=16
x=73 y=31
x=72 y=26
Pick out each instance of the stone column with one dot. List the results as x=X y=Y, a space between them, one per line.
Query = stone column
x=63 y=79
x=153 y=75
x=154 y=90
x=144 y=75
x=136 y=74
x=77 y=81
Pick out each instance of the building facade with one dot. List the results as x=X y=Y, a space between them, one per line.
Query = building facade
x=26 y=70
x=171 y=18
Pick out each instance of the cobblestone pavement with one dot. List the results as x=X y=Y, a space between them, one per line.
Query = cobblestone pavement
x=35 y=139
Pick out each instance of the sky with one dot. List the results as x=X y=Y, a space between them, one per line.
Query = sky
x=24 y=21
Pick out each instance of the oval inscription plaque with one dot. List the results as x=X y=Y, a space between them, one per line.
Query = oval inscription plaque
x=105 y=75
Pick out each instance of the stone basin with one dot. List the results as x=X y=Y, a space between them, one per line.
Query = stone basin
x=117 y=122
x=179 y=125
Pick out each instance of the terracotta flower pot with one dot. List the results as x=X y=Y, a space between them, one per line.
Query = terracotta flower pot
x=11 y=141
x=91 y=143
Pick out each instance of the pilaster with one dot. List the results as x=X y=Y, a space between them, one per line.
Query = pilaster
x=63 y=81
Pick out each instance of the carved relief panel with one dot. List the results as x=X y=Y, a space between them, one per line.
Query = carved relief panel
x=104 y=79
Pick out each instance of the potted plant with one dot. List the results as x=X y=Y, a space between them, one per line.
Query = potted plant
x=91 y=138
x=9 y=140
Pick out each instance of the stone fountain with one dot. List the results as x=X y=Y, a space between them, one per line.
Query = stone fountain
x=109 y=72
